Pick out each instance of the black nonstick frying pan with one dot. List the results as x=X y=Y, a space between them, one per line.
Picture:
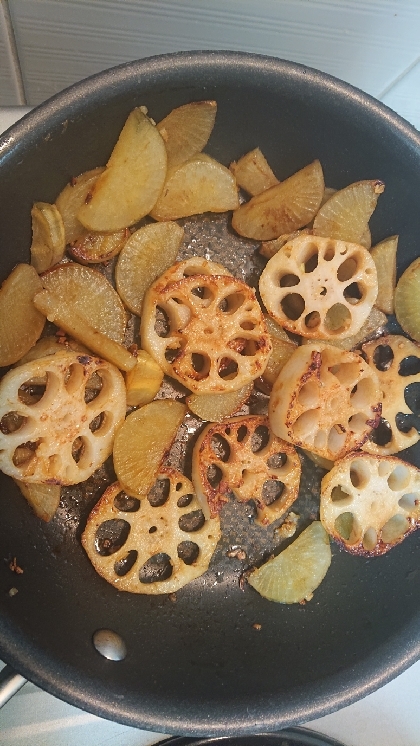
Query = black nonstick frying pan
x=218 y=660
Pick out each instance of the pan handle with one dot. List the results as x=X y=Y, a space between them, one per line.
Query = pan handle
x=10 y=683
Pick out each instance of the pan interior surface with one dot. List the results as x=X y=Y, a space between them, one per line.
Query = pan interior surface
x=216 y=660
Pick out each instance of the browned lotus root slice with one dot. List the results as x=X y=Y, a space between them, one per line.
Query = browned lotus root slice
x=370 y=503
x=206 y=331
x=325 y=400
x=154 y=545
x=243 y=456
x=319 y=287
x=58 y=417
x=396 y=361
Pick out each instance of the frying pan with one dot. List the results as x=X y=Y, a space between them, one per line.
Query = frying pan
x=198 y=665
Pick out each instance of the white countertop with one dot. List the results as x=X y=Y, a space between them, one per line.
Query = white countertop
x=388 y=717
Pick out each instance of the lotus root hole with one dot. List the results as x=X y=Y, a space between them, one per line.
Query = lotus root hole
x=157 y=568
x=312 y=320
x=359 y=474
x=260 y=438
x=346 y=373
x=24 y=453
x=32 y=391
x=241 y=433
x=357 y=422
x=370 y=539
x=320 y=440
x=399 y=479
x=125 y=503
x=125 y=564
x=344 y=524
x=306 y=424
x=184 y=500
x=329 y=253
x=188 y=552
x=339 y=495
x=247 y=325
x=277 y=461
x=203 y=292
x=311 y=263
x=410 y=366
x=190 y=522
x=362 y=395
x=101 y=424
x=354 y=293
x=409 y=501
x=220 y=447
x=289 y=280
x=111 y=535
x=338 y=318
x=93 y=387
x=412 y=397
x=162 y=325
x=231 y=303
x=272 y=490
x=228 y=369
x=75 y=378
x=347 y=269
x=12 y=422
x=384 y=467
x=394 y=529
x=336 y=439
x=214 y=475
x=159 y=493
x=309 y=395
x=293 y=306
x=383 y=357
x=382 y=435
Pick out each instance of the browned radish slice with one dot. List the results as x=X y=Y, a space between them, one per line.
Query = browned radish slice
x=253 y=173
x=88 y=292
x=48 y=242
x=70 y=200
x=384 y=254
x=132 y=181
x=346 y=214
x=186 y=131
x=200 y=185
x=283 y=208
x=21 y=324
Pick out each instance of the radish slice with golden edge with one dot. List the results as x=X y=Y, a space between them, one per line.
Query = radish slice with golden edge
x=48 y=240
x=217 y=407
x=147 y=254
x=346 y=214
x=44 y=499
x=143 y=381
x=132 y=181
x=142 y=442
x=97 y=248
x=199 y=185
x=407 y=303
x=384 y=254
x=21 y=324
x=294 y=575
x=87 y=292
x=186 y=131
x=75 y=194
x=253 y=173
x=283 y=208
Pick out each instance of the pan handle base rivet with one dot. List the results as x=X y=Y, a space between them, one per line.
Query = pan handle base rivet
x=109 y=644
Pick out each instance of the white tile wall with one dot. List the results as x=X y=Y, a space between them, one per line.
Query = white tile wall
x=372 y=44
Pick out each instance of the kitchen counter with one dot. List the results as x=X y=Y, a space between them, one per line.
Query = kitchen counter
x=388 y=717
